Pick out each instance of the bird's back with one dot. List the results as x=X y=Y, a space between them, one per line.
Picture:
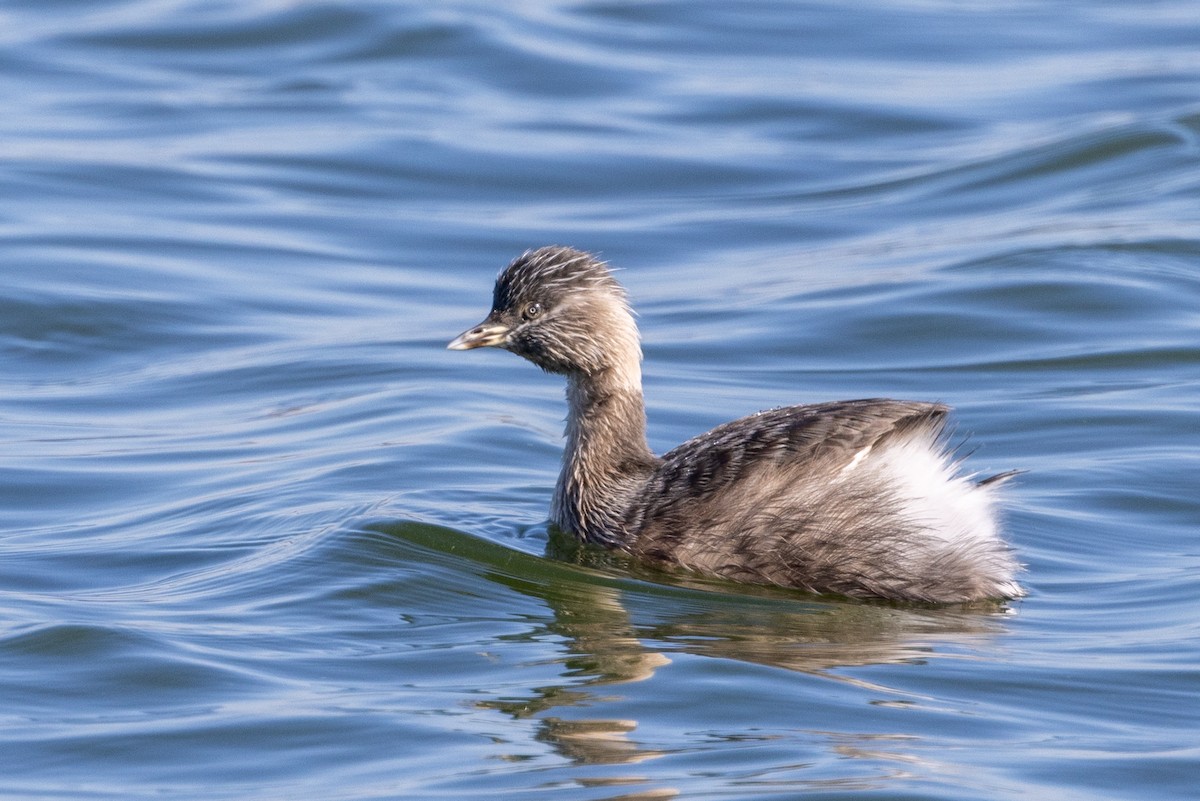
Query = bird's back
x=859 y=498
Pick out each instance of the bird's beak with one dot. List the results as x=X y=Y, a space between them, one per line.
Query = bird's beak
x=485 y=335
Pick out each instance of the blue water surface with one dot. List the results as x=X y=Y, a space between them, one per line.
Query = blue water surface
x=262 y=536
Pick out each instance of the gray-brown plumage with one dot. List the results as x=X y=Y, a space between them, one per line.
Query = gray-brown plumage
x=859 y=498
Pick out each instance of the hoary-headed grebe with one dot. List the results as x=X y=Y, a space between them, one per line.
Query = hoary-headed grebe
x=860 y=498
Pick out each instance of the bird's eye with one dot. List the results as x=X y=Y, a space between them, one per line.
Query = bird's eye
x=532 y=310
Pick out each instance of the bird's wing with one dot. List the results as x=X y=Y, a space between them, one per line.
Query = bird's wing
x=820 y=437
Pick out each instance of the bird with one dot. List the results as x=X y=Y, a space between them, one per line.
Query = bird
x=863 y=499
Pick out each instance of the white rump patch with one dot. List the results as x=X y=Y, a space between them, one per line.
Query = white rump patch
x=926 y=482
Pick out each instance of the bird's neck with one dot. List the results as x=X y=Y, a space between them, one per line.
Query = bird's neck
x=607 y=459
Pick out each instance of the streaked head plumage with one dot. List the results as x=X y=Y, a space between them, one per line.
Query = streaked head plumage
x=561 y=309
x=550 y=273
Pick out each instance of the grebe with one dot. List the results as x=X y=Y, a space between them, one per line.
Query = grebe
x=860 y=498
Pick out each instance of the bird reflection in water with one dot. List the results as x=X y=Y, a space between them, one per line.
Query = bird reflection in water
x=680 y=614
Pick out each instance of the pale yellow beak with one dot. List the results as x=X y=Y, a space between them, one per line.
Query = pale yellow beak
x=484 y=335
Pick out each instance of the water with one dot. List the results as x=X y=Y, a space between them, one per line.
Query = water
x=263 y=537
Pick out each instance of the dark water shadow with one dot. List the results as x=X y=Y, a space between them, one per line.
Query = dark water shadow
x=620 y=622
